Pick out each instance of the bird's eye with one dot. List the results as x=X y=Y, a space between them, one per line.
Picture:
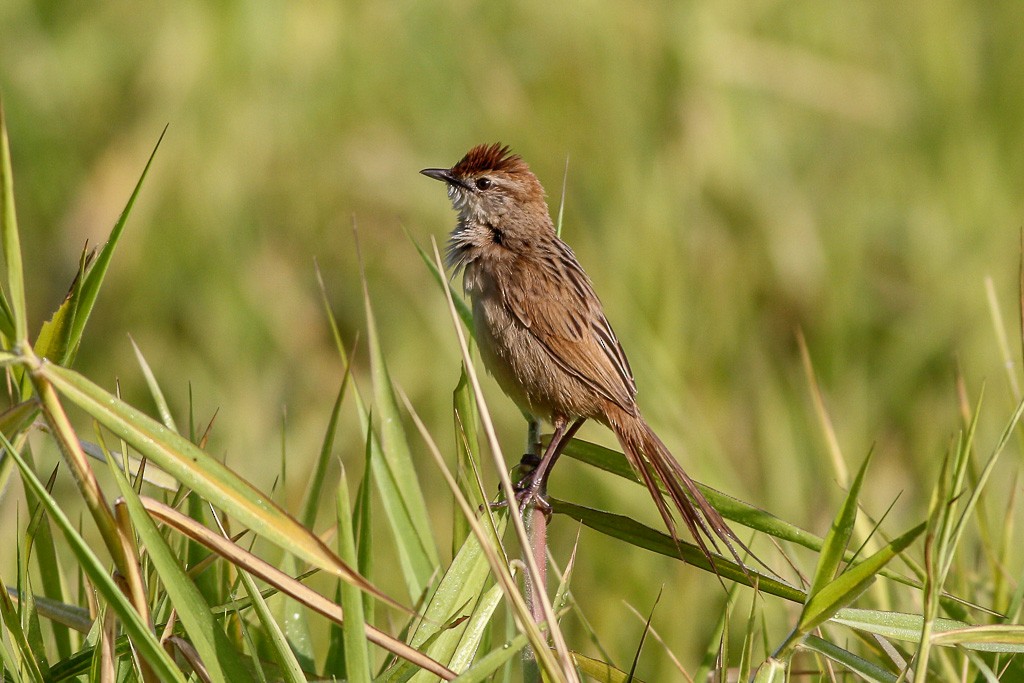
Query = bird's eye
x=483 y=183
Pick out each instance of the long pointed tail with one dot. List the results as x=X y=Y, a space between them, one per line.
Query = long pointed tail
x=654 y=463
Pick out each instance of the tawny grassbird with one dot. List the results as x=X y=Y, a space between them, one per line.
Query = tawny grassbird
x=544 y=336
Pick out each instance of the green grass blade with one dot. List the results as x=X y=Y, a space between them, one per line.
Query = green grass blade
x=602 y=672
x=53 y=339
x=144 y=641
x=416 y=538
x=747 y=650
x=772 y=671
x=716 y=638
x=732 y=509
x=7 y=658
x=363 y=524
x=14 y=320
x=1007 y=638
x=972 y=501
x=844 y=589
x=412 y=557
x=838 y=536
x=867 y=670
x=205 y=633
x=297 y=626
x=949 y=632
x=891 y=625
x=461 y=307
x=94 y=278
x=154 y=389
x=486 y=666
x=643 y=536
x=13 y=422
x=71 y=616
x=643 y=638
x=476 y=629
x=276 y=641
x=32 y=662
x=284 y=583
x=357 y=656
x=319 y=475
x=467 y=454
x=40 y=543
x=455 y=597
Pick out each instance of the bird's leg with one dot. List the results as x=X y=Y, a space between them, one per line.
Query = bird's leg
x=532 y=488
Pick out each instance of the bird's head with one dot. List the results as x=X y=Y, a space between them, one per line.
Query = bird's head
x=490 y=184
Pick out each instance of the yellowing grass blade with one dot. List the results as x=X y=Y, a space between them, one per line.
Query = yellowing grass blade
x=203 y=474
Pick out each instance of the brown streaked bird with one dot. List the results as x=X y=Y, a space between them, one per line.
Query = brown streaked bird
x=543 y=334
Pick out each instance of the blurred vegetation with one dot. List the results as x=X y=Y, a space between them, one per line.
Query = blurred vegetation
x=736 y=172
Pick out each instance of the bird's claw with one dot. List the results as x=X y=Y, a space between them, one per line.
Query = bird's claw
x=530 y=490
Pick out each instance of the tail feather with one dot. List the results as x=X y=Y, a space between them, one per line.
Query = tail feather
x=654 y=462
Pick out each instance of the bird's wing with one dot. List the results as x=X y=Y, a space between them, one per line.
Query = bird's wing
x=582 y=343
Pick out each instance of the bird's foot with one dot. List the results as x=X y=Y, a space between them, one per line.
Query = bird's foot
x=530 y=490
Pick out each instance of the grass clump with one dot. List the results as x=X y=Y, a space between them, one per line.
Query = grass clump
x=179 y=569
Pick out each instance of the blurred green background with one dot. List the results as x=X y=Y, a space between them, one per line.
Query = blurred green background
x=737 y=171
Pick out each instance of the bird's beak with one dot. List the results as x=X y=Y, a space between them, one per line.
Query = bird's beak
x=443 y=174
